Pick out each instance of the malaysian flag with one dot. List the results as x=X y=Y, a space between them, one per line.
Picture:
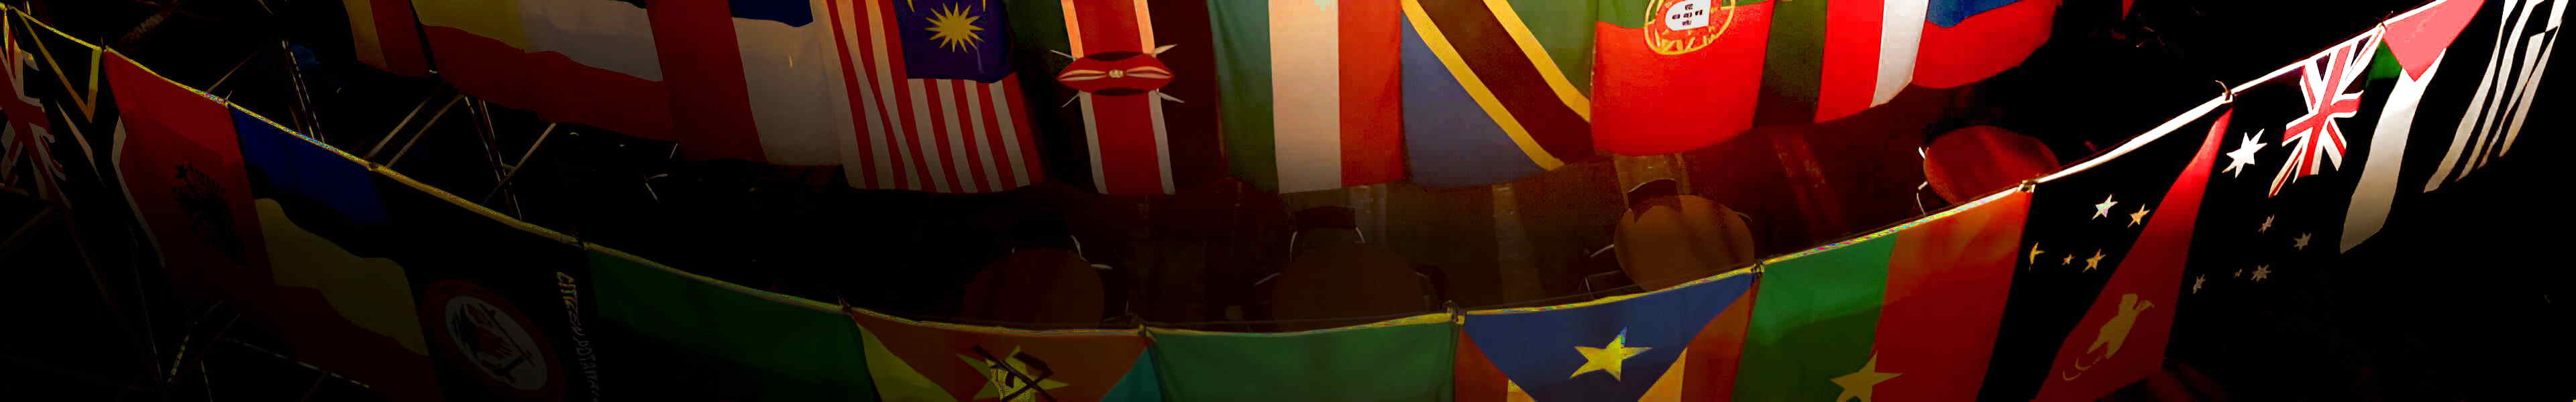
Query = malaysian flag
x=938 y=107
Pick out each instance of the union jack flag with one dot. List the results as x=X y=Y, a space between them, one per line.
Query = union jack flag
x=2327 y=86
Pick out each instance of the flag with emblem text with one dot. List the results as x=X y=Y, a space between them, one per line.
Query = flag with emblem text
x=1495 y=91
x=2100 y=265
x=1313 y=95
x=1910 y=312
x=502 y=322
x=1405 y=359
x=1677 y=75
x=1637 y=347
x=922 y=361
x=690 y=337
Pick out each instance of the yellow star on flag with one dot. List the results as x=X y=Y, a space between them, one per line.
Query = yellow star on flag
x=2139 y=217
x=1608 y=357
x=2096 y=261
x=954 y=28
x=1859 y=384
x=2035 y=252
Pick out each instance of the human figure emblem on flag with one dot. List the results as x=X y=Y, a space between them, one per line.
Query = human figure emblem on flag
x=1684 y=26
x=2114 y=333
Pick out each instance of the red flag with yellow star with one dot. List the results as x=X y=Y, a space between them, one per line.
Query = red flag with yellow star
x=925 y=361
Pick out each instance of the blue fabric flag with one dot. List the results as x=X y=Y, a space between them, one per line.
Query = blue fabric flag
x=301 y=171
x=1612 y=351
x=954 y=39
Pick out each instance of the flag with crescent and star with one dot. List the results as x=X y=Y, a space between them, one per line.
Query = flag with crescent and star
x=925 y=361
x=1909 y=312
x=2094 y=285
x=1624 y=348
x=2275 y=224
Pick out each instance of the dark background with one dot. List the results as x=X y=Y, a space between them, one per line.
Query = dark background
x=2454 y=300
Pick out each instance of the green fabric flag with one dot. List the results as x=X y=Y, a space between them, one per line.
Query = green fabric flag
x=1402 y=360
x=691 y=335
x=1936 y=286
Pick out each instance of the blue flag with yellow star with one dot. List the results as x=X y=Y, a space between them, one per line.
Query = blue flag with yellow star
x=1615 y=349
x=954 y=39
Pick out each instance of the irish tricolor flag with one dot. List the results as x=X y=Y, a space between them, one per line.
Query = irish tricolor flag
x=1311 y=88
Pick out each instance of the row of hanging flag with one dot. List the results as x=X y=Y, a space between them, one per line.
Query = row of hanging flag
x=2064 y=289
x=963 y=96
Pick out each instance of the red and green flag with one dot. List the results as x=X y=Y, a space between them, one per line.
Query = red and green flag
x=1406 y=359
x=927 y=361
x=1677 y=75
x=1906 y=312
x=1312 y=96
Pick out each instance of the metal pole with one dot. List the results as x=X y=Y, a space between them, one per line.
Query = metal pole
x=424 y=127
x=523 y=162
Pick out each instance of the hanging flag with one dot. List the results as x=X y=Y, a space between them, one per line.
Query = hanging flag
x=26 y=146
x=696 y=338
x=2516 y=61
x=2259 y=258
x=1831 y=59
x=1616 y=349
x=939 y=109
x=336 y=300
x=1313 y=100
x=1965 y=41
x=502 y=322
x=1137 y=80
x=182 y=167
x=1909 y=312
x=1678 y=75
x=1495 y=90
x=590 y=62
x=2096 y=280
x=1397 y=360
x=2415 y=44
x=925 y=361
x=384 y=34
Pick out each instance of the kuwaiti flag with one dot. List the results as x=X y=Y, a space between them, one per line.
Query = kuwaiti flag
x=938 y=107
x=1626 y=348
x=1964 y=41
x=1313 y=95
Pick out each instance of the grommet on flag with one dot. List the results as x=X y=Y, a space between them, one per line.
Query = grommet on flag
x=2225 y=93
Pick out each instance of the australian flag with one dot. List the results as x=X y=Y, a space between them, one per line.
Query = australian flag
x=954 y=39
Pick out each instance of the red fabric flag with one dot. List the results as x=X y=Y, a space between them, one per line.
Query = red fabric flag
x=182 y=165
x=2122 y=338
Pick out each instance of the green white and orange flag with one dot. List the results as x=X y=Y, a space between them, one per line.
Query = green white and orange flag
x=927 y=361
x=1313 y=95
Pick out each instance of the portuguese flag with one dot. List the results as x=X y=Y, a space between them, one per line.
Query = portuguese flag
x=1935 y=287
x=1676 y=75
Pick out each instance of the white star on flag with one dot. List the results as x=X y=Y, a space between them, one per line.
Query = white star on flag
x=2244 y=154
x=2104 y=209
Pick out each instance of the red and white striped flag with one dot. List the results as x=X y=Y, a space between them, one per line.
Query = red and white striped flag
x=937 y=107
